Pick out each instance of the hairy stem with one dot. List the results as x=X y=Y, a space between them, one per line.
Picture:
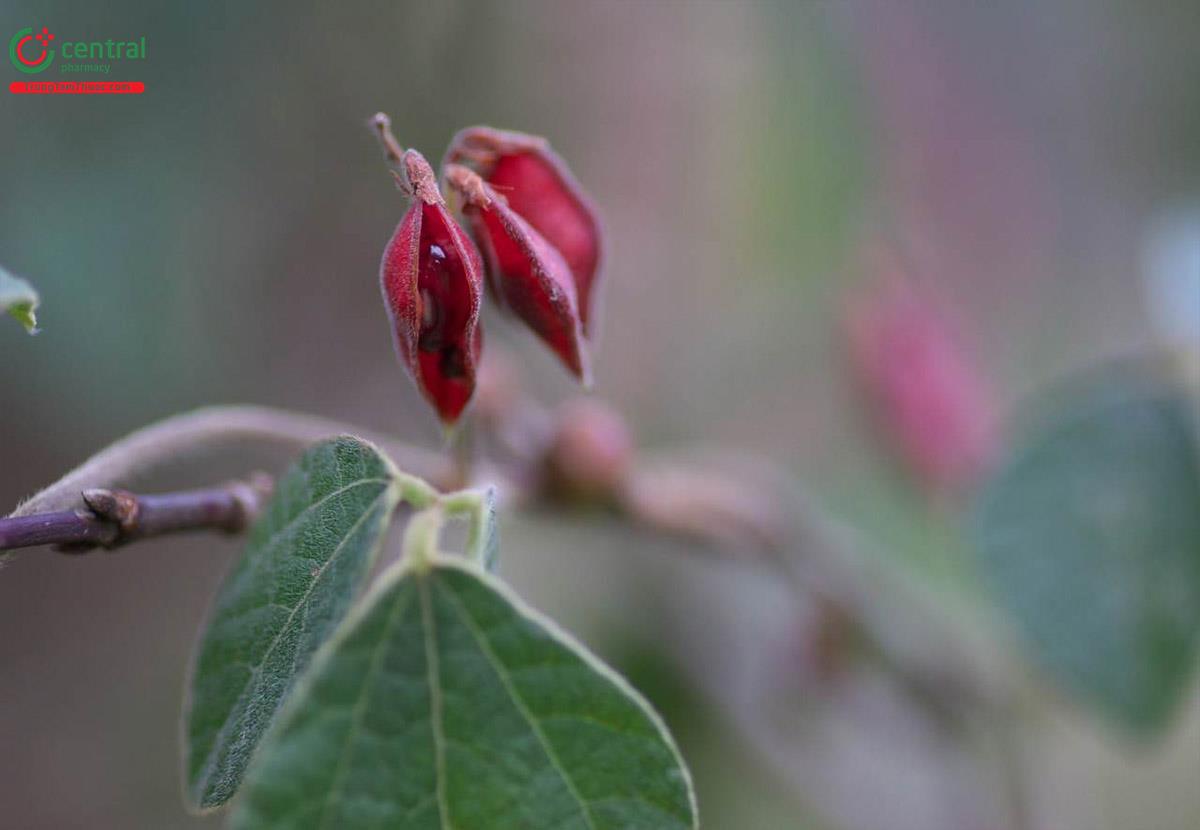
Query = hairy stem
x=392 y=151
x=205 y=430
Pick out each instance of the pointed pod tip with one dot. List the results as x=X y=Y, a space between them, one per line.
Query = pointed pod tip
x=419 y=178
x=474 y=191
x=584 y=371
x=382 y=125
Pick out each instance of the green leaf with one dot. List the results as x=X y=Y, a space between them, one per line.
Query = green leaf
x=19 y=299
x=304 y=562
x=444 y=702
x=1089 y=536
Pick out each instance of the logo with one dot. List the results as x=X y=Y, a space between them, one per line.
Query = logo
x=23 y=50
x=30 y=53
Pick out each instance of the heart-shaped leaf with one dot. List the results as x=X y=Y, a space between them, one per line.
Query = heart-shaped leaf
x=304 y=562
x=1090 y=538
x=443 y=702
x=19 y=299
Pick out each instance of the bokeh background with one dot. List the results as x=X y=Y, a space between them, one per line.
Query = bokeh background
x=217 y=240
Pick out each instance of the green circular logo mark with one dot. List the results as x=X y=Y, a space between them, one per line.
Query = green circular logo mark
x=23 y=50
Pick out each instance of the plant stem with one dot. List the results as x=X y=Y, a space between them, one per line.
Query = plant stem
x=194 y=434
x=392 y=151
x=115 y=517
x=67 y=527
x=421 y=537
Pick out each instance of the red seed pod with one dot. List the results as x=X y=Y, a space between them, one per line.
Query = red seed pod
x=525 y=272
x=541 y=189
x=431 y=278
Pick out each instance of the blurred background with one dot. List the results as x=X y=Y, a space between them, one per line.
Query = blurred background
x=795 y=194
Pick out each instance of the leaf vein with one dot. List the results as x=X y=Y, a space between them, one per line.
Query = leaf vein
x=256 y=670
x=359 y=711
x=506 y=681
x=433 y=672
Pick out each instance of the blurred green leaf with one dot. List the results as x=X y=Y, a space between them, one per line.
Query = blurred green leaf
x=1089 y=536
x=304 y=562
x=19 y=299
x=444 y=702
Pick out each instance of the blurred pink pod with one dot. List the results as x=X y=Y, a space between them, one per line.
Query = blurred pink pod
x=932 y=402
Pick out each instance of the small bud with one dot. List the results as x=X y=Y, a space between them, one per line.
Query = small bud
x=540 y=188
x=118 y=506
x=825 y=640
x=591 y=454
x=525 y=272
x=431 y=278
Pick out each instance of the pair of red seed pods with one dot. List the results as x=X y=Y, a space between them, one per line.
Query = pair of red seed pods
x=541 y=242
